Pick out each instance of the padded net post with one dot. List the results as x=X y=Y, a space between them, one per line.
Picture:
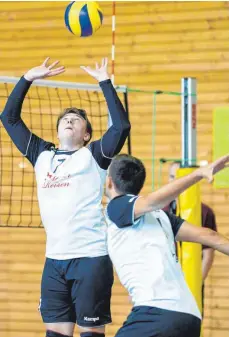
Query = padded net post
x=190 y=200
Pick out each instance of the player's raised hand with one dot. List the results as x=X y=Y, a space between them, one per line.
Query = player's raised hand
x=44 y=70
x=210 y=170
x=99 y=72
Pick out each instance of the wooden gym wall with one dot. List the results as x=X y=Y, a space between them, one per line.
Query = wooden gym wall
x=156 y=45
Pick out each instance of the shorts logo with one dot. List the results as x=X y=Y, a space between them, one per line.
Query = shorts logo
x=91 y=319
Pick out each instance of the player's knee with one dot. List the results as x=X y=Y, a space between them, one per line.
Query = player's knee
x=92 y=334
x=50 y=333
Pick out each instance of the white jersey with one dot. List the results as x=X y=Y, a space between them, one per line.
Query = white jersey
x=144 y=256
x=70 y=204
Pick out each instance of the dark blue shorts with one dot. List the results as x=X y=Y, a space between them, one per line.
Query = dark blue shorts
x=77 y=290
x=146 y=321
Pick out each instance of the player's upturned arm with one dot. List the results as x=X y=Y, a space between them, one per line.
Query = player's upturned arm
x=104 y=149
x=114 y=139
x=169 y=192
x=11 y=116
x=204 y=236
x=27 y=143
x=163 y=196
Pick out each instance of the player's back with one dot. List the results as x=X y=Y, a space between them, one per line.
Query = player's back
x=145 y=259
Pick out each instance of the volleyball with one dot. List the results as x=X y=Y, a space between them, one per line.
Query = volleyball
x=83 y=18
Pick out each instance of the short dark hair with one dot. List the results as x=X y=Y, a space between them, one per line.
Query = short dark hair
x=80 y=112
x=127 y=173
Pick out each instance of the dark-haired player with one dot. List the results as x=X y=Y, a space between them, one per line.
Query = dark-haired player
x=141 y=244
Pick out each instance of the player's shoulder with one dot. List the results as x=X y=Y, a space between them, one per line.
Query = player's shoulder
x=96 y=150
x=45 y=148
x=45 y=156
x=120 y=202
x=120 y=210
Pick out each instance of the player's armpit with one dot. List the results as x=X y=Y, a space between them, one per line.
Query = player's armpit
x=204 y=236
x=142 y=206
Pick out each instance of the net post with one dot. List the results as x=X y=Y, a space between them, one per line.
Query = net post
x=190 y=201
x=188 y=110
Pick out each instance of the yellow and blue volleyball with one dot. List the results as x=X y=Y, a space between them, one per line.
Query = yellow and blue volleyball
x=83 y=18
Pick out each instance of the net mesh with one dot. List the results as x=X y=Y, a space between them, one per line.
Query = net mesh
x=161 y=136
x=42 y=105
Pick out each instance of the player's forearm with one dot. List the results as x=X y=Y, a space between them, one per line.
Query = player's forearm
x=118 y=114
x=11 y=116
x=217 y=241
x=168 y=193
x=12 y=111
x=204 y=236
x=114 y=139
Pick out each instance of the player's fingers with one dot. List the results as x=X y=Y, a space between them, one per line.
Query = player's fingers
x=53 y=65
x=56 y=71
x=45 y=61
x=87 y=69
x=105 y=62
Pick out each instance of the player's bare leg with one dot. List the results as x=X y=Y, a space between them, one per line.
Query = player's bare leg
x=92 y=332
x=64 y=329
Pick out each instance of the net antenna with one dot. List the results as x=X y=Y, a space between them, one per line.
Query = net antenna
x=113 y=42
x=126 y=105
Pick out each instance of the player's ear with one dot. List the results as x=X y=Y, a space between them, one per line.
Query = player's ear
x=57 y=133
x=109 y=182
x=86 y=137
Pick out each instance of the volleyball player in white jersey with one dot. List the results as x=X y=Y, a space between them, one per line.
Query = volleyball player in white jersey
x=78 y=274
x=141 y=245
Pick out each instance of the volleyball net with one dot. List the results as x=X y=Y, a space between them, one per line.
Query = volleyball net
x=43 y=103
